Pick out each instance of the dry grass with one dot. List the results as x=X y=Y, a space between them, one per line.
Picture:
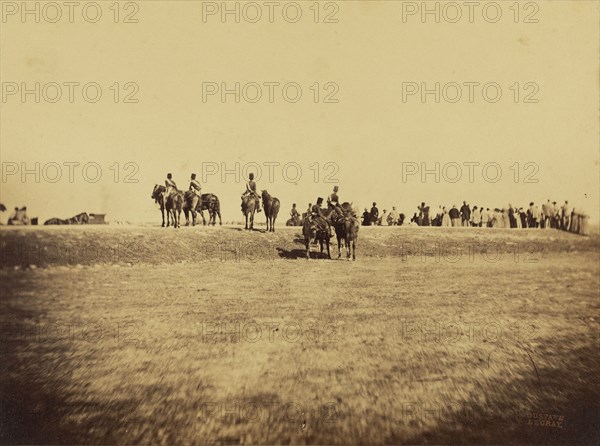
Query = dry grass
x=140 y=346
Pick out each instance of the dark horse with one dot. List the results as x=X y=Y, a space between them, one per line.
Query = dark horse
x=346 y=229
x=207 y=202
x=79 y=219
x=271 y=206
x=249 y=207
x=172 y=204
x=315 y=228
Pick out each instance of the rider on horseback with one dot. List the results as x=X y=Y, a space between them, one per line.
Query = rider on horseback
x=316 y=215
x=170 y=185
x=295 y=214
x=333 y=204
x=251 y=190
x=196 y=189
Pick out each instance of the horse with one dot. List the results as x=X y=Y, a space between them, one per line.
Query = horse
x=346 y=229
x=174 y=206
x=271 y=206
x=56 y=221
x=317 y=229
x=173 y=201
x=249 y=207
x=208 y=202
x=79 y=219
x=295 y=221
x=158 y=196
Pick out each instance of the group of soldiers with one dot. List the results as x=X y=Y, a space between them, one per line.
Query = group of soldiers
x=549 y=216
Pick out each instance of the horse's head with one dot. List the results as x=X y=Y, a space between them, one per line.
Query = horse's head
x=265 y=195
x=158 y=189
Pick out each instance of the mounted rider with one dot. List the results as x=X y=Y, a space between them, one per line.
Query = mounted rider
x=316 y=216
x=251 y=190
x=294 y=213
x=170 y=186
x=333 y=204
x=196 y=188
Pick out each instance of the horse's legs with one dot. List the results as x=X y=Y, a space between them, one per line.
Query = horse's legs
x=162 y=211
x=339 y=247
x=219 y=214
x=307 y=243
x=353 y=250
x=328 y=251
x=246 y=215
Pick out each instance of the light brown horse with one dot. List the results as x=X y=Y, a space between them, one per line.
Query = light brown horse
x=271 y=206
x=346 y=229
x=249 y=207
x=174 y=206
x=315 y=228
x=207 y=202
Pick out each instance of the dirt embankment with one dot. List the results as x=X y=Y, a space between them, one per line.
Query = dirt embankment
x=90 y=245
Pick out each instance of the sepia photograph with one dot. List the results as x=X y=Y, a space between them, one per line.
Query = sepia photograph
x=309 y=222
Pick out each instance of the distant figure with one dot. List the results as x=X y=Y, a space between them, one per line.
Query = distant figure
x=424 y=215
x=454 y=216
x=533 y=214
x=401 y=219
x=392 y=219
x=374 y=214
x=475 y=217
x=294 y=212
x=565 y=216
x=465 y=213
x=445 y=218
x=383 y=220
x=366 y=218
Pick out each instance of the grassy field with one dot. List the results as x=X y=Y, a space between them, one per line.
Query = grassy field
x=143 y=335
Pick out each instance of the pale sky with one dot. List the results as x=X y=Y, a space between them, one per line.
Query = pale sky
x=369 y=133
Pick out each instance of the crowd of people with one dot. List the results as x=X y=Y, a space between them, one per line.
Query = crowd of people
x=549 y=215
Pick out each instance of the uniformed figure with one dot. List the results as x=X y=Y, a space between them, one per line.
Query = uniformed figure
x=333 y=199
x=374 y=214
x=294 y=212
x=196 y=189
x=316 y=209
x=316 y=213
x=251 y=190
x=170 y=185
